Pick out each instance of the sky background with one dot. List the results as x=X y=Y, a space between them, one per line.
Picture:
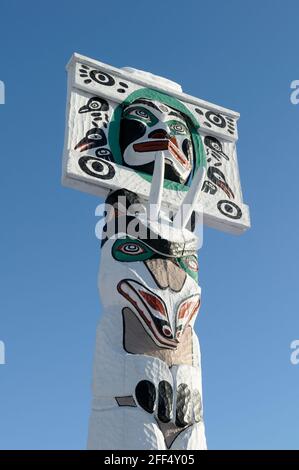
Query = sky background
x=241 y=55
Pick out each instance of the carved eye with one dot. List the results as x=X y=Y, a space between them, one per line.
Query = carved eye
x=166 y=331
x=216 y=146
x=192 y=263
x=94 y=105
x=131 y=249
x=213 y=143
x=103 y=152
x=140 y=113
x=178 y=128
x=215 y=119
x=219 y=177
x=95 y=136
x=102 y=78
x=230 y=209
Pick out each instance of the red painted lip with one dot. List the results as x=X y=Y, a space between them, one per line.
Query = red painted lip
x=156 y=145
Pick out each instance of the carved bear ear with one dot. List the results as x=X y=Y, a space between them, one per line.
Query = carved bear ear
x=187 y=207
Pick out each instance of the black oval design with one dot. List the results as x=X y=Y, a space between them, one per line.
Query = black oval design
x=102 y=78
x=96 y=167
x=229 y=209
x=199 y=111
x=165 y=399
x=123 y=84
x=183 y=406
x=145 y=392
x=213 y=143
x=215 y=119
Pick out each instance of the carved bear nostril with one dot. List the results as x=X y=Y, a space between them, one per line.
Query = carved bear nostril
x=146 y=395
x=165 y=399
x=197 y=406
x=183 y=408
x=188 y=404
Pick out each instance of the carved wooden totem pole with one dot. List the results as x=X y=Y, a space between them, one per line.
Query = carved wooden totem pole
x=160 y=158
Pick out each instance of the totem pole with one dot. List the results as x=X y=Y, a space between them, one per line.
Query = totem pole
x=160 y=158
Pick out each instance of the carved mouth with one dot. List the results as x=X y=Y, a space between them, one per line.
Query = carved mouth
x=165 y=144
x=150 y=310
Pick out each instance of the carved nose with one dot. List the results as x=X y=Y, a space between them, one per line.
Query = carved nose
x=166 y=274
x=159 y=134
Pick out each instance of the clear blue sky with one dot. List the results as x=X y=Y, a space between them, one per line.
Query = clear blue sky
x=242 y=55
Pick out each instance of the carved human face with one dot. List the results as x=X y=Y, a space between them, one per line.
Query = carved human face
x=148 y=127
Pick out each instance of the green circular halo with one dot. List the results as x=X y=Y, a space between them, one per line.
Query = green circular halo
x=148 y=93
